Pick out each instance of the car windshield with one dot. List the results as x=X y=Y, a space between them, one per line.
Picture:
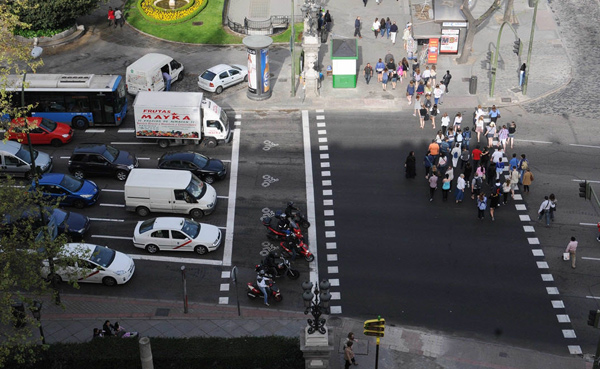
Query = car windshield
x=196 y=188
x=200 y=160
x=48 y=125
x=191 y=228
x=103 y=256
x=59 y=216
x=147 y=225
x=71 y=183
x=23 y=154
x=208 y=75
x=111 y=153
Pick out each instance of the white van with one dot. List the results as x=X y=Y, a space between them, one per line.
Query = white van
x=168 y=191
x=145 y=74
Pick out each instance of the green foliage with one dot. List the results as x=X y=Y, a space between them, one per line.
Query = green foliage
x=30 y=33
x=54 y=14
x=160 y=12
x=199 y=352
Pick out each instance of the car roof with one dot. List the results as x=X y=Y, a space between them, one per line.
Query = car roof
x=51 y=178
x=178 y=155
x=83 y=249
x=219 y=68
x=96 y=148
x=10 y=146
x=168 y=223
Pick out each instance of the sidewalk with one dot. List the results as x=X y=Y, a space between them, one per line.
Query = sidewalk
x=400 y=348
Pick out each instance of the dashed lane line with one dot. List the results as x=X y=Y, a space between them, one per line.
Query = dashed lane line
x=112 y=237
x=107 y=220
x=113 y=205
x=171 y=259
x=110 y=190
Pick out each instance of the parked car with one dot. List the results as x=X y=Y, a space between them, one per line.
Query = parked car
x=101 y=160
x=93 y=264
x=176 y=234
x=15 y=160
x=72 y=191
x=203 y=167
x=41 y=130
x=75 y=225
x=221 y=76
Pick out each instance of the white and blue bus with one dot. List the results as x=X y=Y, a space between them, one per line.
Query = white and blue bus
x=81 y=100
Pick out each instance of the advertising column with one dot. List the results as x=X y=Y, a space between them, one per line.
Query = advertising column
x=259 y=82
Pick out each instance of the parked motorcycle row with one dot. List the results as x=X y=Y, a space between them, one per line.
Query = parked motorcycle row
x=282 y=226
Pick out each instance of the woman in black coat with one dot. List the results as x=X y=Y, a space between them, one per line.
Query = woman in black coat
x=411 y=165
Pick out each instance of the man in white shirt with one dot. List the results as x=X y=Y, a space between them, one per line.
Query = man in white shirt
x=497 y=155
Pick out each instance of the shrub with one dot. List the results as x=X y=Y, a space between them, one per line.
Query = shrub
x=182 y=14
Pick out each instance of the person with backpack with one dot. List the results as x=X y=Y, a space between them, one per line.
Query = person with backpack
x=523 y=165
x=494 y=199
x=465 y=156
x=544 y=210
x=476 y=186
x=455 y=153
x=481 y=206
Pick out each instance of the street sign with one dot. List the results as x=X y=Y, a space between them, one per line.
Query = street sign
x=374 y=327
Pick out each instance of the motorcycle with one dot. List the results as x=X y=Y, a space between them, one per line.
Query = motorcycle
x=283 y=268
x=292 y=242
x=296 y=215
x=275 y=233
x=272 y=290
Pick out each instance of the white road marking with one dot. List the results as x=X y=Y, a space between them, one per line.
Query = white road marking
x=569 y=333
x=563 y=318
x=542 y=265
x=171 y=259
x=320 y=110
x=233 y=180
x=581 y=180
x=222 y=197
x=326 y=182
x=322 y=139
x=537 y=252
x=589 y=224
x=226 y=274
x=126 y=130
x=327 y=203
x=336 y=295
x=328 y=213
x=113 y=205
x=143 y=158
x=334 y=282
x=520 y=207
x=332 y=270
x=588 y=258
x=238 y=116
x=524 y=218
x=332 y=257
x=322 y=132
x=552 y=290
x=327 y=192
x=331 y=245
x=95 y=130
x=237 y=123
x=325 y=164
x=324 y=156
x=112 y=237
x=223 y=300
x=64 y=157
x=547 y=278
x=325 y=173
x=533 y=241
x=107 y=220
x=109 y=190
x=528 y=229
x=575 y=350
x=592 y=297
x=321 y=124
x=591 y=146
x=335 y=309
x=558 y=304
x=330 y=234
x=320 y=117
x=518 y=197
x=542 y=142
x=310 y=196
x=323 y=148
x=330 y=223
x=224 y=287
x=226 y=161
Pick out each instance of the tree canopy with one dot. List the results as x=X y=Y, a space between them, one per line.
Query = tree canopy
x=52 y=14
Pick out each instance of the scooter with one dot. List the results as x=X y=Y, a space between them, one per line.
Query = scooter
x=283 y=268
x=274 y=233
x=296 y=215
x=292 y=242
x=273 y=291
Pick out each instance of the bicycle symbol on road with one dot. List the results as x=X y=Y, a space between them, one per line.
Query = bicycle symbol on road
x=267 y=213
x=267 y=180
x=269 y=145
x=267 y=247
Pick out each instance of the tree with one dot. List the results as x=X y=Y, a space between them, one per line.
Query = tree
x=54 y=14
x=473 y=25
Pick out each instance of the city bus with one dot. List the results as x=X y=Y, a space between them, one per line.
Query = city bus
x=81 y=100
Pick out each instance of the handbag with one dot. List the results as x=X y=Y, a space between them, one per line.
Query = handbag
x=566 y=256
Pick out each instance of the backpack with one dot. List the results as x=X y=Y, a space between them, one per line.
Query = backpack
x=524 y=165
x=478 y=182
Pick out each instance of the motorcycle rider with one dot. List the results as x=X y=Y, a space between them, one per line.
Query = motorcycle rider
x=284 y=223
x=261 y=282
x=270 y=264
x=291 y=209
x=292 y=243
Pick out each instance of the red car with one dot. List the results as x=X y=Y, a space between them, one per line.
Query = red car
x=41 y=130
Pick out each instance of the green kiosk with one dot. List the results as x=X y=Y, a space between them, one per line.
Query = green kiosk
x=344 y=56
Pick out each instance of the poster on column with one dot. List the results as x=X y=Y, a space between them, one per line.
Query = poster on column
x=449 y=44
x=252 y=83
x=432 y=51
x=264 y=69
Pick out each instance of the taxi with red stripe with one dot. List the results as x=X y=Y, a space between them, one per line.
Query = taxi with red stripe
x=176 y=234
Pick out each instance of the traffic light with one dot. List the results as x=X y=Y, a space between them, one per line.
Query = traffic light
x=593 y=318
x=374 y=327
x=517 y=47
x=584 y=190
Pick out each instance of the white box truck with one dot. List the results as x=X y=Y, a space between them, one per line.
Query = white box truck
x=168 y=191
x=146 y=73
x=176 y=118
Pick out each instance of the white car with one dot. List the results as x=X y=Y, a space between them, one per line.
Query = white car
x=221 y=76
x=94 y=264
x=176 y=234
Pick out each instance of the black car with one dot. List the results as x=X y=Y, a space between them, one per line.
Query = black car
x=202 y=166
x=101 y=160
x=75 y=225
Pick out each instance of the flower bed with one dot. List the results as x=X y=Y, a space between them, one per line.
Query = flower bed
x=160 y=15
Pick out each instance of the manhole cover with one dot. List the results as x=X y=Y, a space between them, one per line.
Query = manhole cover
x=516 y=89
x=197 y=23
x=162 y=312
x=506 y=99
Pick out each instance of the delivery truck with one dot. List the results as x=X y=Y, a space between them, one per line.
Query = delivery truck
x=179 y=118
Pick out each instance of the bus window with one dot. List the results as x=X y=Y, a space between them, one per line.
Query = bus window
x=77 y=104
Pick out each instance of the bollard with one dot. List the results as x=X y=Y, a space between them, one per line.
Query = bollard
x=146 y=353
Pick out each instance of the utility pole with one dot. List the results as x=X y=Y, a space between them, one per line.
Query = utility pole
x=535 y=7
x=292 y=41
x=495 y=60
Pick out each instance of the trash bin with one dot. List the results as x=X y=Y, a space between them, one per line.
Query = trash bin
x=18 y=311
x=473 y=85
x=324 y=35
x=531 y=3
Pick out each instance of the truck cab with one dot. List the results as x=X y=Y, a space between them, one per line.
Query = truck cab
x=215 y=124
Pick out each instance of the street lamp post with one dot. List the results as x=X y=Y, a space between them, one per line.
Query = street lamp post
x=36 y=311
x=317 y=304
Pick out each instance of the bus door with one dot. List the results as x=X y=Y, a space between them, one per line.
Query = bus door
x=102 y=109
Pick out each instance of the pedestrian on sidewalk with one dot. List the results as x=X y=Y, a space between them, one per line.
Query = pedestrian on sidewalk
x=527 y=179
x=388 y=26
x=384 y=79
x=481 y=206
x=433 y=179
x=423 y=116
x=368 y=72
x=476 y=185
x=107 y=329
x=457 y=121
x=503 y=136
x=420 y=88
x=467 y=171
x=119 y=18
x=428 y=163
x=445 y=123
x=410 y=91
x=455 y=153
x=348 y=353
x=460 y=188
x=437 y=94
x=433 y=74
x=490 y=133
x=382 y=25
x=350 y=338
x=393 y=32
x=544 y=210
x=417 y=105
x=376 y=26
x=572 y=250
x=405 y=67
x=445 y=187
x=111 y=16
x=406 y=35
x=446 y=80
x=410 y=165
x=465 y=156
x=466 y=137
x=553 y=200
x=327 y=21
x=512 y=128
x=479 y=126
x=379 y=67
x=357 y=25
x=365 y=2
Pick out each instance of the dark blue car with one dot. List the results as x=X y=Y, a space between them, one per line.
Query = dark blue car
x=73 y=191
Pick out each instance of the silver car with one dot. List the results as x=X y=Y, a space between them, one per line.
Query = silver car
x=15 y=160
x=217 y=78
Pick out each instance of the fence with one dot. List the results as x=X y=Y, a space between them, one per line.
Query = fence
x=273 y=25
